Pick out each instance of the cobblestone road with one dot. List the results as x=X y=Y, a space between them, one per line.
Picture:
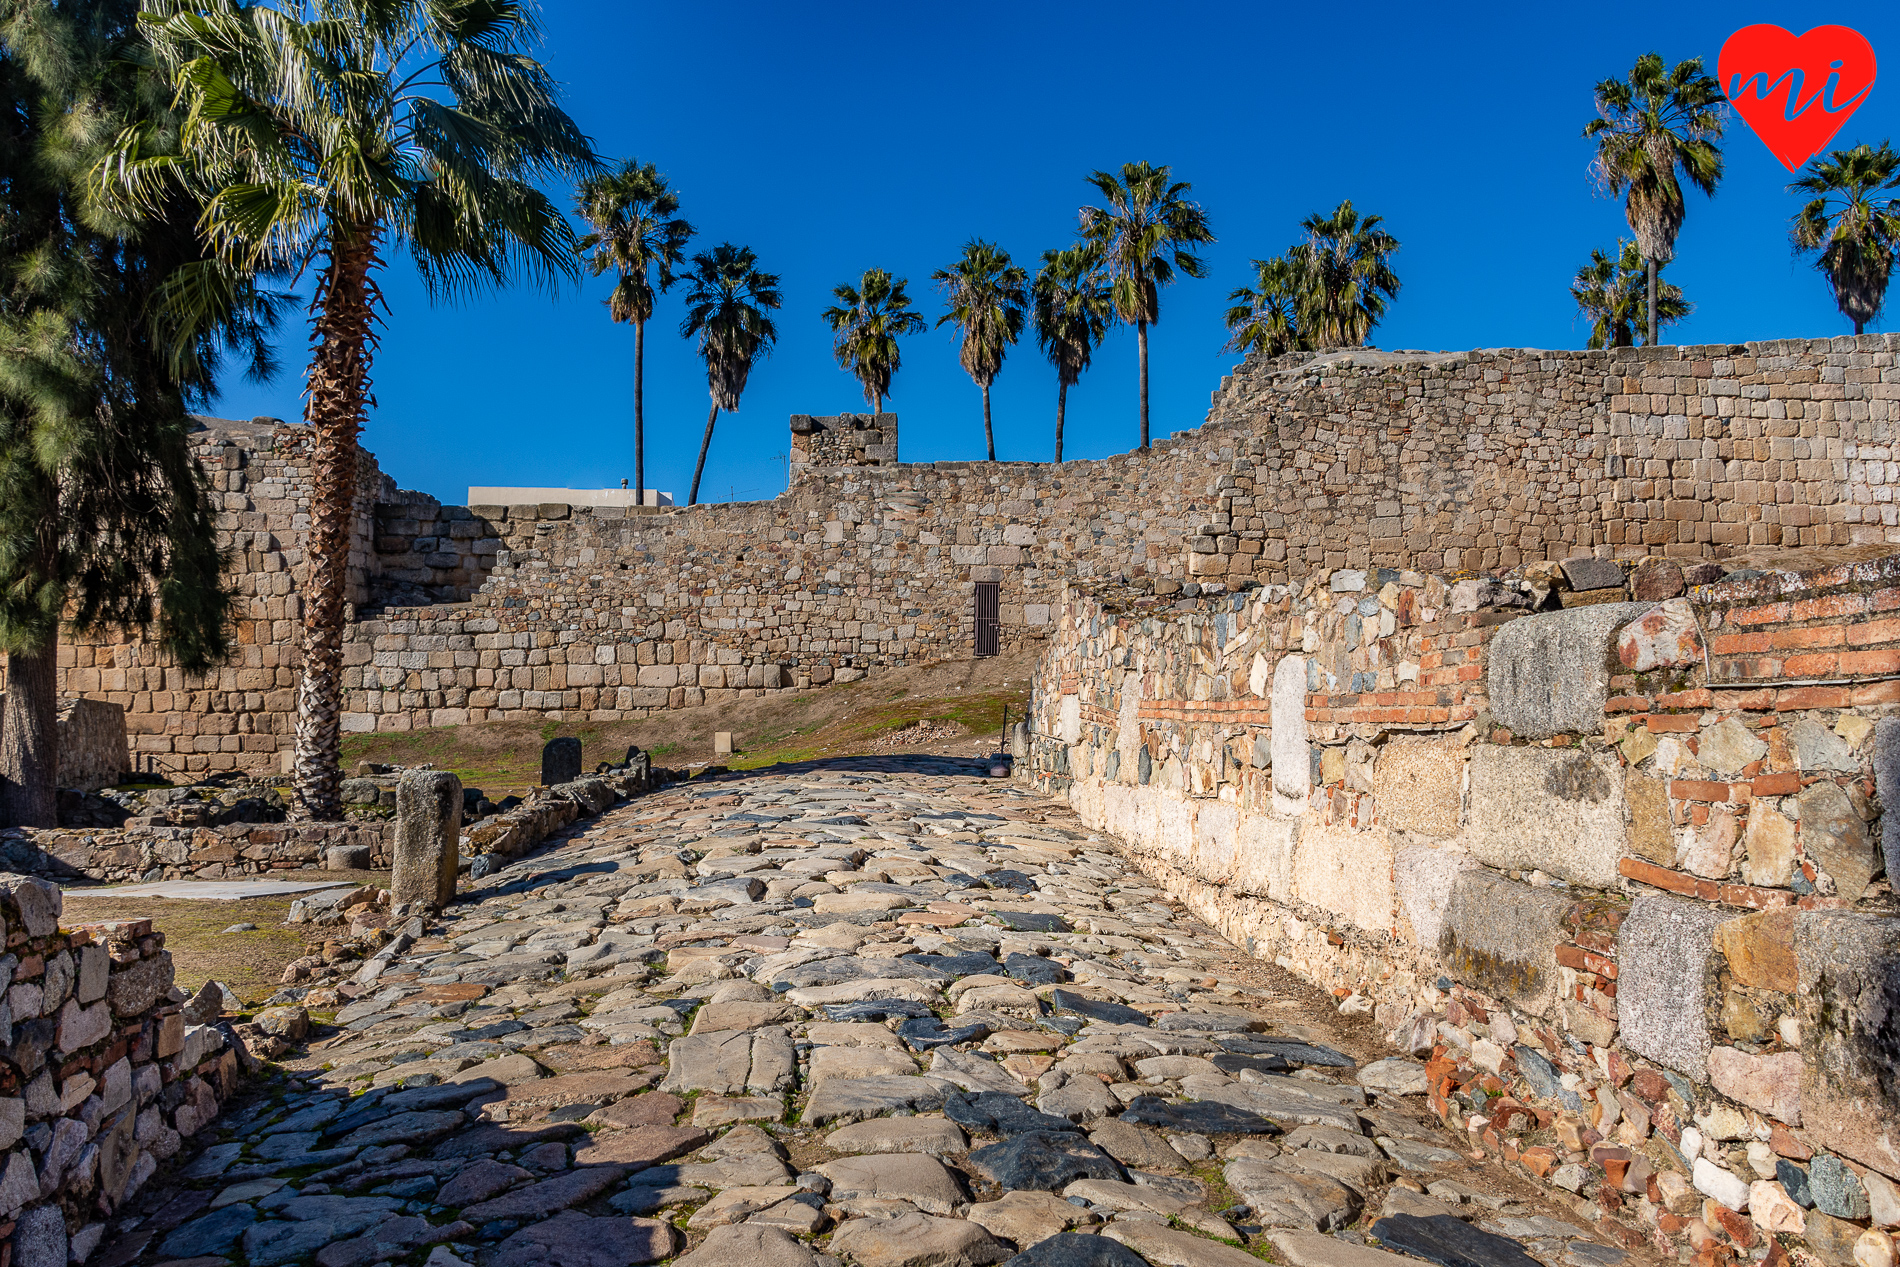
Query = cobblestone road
x=881 y=1011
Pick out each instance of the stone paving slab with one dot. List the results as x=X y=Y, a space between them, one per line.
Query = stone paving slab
x=890 y=1012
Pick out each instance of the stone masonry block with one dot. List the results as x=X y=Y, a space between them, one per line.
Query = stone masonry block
x=1666 y=965
x=1502 y=937
x=1419 y=784
x=428 y=833
x=1558 y=810
x=1550 y=673
x=1849 y=970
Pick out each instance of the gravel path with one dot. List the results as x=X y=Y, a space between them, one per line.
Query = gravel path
x=882 y=1011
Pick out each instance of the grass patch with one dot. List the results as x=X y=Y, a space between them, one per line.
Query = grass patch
x=250 y=963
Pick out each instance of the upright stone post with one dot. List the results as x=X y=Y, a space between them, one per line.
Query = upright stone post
x=561 y=761
x=428 y=830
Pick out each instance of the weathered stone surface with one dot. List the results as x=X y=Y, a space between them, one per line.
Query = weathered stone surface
x=857 y=1062
x=1817 y=748
x=428 y=829
x=916 y=1240
x=1163 y=1246
x=1450 y=1242
x=538 y=1200
x=853 y=1099
x=1284 y=1198
x=1578 y=830
x=999 y=1114
x=1836 y=838
x=1045 y=1160
x=932 y=1135
x=1663 y=638
x=560 y=761
x=639 y=1147
x=1666 y=964
x=1395 y=1075
x=1836 y=1189
x=1073 y=1249
x=1419 y=784
x=572 y=1239
x=749 y=1245
x=1134 y=1147
x=922 y=1181
x=1770 y=1084
x=134 y=990
x=1292 y=771
x=1502 y=937
x=1549 y=673
x=38 y=901
x=1651 y=833
x=1769 y=839
x=1025 y=1218
x=479 y=1181
x=1728 y=746
x=1887 y=784
x=1850 y=995
x=1759 y=949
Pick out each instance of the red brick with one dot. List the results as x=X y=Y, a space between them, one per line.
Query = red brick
x=1772 y=614
x=1829 y=606
x=1800 y=697
x=1884 y=600
x=1812 y=665
x=1678 y=723
x=1747 y=700
x=1626 y=704
x=1870 y=662
x=1776 y=785
x=1878 y=693
x=1698 y=698
x=1740 y=644
x=1873 y=632
x=1820 y=636
x=1660 y=877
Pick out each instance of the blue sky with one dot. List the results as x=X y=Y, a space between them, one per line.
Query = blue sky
x=831 y=137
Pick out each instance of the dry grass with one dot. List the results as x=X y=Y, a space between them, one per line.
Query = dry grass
x=250 y=963
x=967 y=697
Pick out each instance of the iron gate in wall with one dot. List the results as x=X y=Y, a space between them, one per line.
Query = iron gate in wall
x=988 y=601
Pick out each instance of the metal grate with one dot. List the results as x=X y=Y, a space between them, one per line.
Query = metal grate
x=988 y=600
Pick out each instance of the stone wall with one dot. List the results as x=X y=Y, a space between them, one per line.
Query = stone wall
x=1479 y=460
x=103 y=1079
x=1613 y=864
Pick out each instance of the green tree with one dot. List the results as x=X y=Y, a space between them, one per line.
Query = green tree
x=1072 y=311
x=317 y=134
x=987 y=296
x=106 y=521
x=1855 y=233
x=726 y=309
x=637 y=233
x=1657 y=123
x=866 y=324
x=1611 y=293
x=1343 y=277
x=1265 y=317
x=1145 y=235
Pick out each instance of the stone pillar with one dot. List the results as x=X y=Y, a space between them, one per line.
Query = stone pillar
x=560 y=761
x=428 y=829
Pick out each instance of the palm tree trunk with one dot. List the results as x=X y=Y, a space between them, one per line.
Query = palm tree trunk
x=1859 y=325
x=639 y=413
x=1062 y=404
x=29 y=739
x=1141 y=341
x=338 y=387
x=1652 y=303
x=989 y=437
x=692 y=498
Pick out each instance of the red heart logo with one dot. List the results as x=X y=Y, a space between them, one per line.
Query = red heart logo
x=1796 y=91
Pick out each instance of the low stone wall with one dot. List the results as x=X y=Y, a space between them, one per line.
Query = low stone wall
x=128 y=855
x=1613 y=865
x=103 y=1079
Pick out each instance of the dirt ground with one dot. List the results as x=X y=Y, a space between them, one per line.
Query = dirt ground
x=958 y=703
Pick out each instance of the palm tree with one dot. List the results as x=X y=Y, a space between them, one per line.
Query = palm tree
x=1856 y=233
x=1650 y=127
x=1073 y=310
x=1266 y=318
x=726 y=308
x=1610 y=291
x=987 y=296
x=1144 y=233
x=1343 y=277
x=865 y=329
x=317 y=134
x=637 y=233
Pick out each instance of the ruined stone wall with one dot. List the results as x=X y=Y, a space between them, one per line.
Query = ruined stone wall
x=101 y=1079
x=1468 y=461
x=1609 y=854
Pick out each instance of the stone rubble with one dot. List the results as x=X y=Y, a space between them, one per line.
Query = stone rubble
x=665 y=1034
